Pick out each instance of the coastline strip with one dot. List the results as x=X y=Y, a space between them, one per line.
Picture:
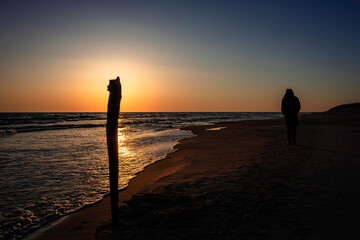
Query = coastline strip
x=265 y=183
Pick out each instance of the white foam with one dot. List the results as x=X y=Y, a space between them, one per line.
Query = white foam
x=215 y=129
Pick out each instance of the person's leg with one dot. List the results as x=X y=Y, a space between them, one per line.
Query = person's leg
x=289 y=134
x=294 y=135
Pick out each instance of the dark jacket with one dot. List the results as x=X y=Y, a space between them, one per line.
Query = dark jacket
x=290 y=107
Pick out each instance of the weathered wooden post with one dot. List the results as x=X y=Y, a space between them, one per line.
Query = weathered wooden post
x=112 y=143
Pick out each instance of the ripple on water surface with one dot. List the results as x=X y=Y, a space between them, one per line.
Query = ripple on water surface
x=52 y=173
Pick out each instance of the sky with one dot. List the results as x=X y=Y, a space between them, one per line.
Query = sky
x=58 y=56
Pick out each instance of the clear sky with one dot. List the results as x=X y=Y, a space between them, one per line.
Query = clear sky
x=178 y=55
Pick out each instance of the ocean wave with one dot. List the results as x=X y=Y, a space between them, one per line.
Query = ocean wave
x=44 y=118
x=6 y=132
x=12 y=123
x=22 y=129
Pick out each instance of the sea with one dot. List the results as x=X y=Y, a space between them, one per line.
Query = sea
x=53 y=164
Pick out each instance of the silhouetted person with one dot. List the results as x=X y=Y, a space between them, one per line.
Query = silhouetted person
x=290 y=107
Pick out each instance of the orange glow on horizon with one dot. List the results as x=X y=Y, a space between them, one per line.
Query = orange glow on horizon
x=145 y=88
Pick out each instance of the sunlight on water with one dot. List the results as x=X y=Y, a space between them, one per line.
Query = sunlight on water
x=124 y=151
x=52 y=164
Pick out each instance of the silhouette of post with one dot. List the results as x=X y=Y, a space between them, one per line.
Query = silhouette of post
x=112 y=143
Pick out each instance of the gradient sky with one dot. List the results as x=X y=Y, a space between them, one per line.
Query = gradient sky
x=178 y=55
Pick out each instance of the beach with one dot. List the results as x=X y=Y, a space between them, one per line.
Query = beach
x=239 y=180
x=179 y=120
x=57 y=163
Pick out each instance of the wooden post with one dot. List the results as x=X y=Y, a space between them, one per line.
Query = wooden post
x=112 y=143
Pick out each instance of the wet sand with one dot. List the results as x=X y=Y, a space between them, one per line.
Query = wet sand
x=241 y=181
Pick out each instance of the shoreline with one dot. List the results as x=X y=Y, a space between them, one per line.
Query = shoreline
x=155 y=177
x=46 y=231
x=48 y=226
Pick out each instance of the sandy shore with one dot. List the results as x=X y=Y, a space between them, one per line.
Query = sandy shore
x=240 y=182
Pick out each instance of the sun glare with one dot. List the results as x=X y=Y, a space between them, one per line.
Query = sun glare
x=123 y=149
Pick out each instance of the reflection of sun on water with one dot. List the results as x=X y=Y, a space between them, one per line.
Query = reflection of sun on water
x=124 y=152
x=128 y=164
